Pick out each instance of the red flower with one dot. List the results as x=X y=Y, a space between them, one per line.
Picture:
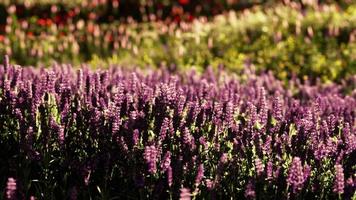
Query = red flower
x=184 y=2
x=177 y=19
x=41 y=22
x=57 y=19
x=49 y=22
x=2 y=38
x=30 y=34
x=190 y=18
x=71 y=13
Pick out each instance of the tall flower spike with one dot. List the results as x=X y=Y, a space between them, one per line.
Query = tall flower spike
x=188 y=138
x=136 y=137
x=295 y=175
x=339 y=182
x=200 y=175
x=80 y=79
x=259 y=167
x=229 y=114
x=184 y=194
x=150 y=155
x=166 y=162
x=277 y=107
x=269 y=170
x=164 y=129
x=263 y=113
x=170 y=176
x=250 y=190
x=61 y=135
x=11 y=188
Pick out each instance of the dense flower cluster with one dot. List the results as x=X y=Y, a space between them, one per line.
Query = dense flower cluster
x=82 y=134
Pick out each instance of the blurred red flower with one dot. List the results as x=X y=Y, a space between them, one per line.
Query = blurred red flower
x=184 y=2
x=30 y=34
x=49 y=22
x=41 y=22
x=190 y=18
x=71 y=13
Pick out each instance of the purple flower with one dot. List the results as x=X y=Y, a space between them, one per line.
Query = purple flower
x=200 y=175
x=259 y=166
x=223 y=158
x=203 y=142
x=263 y=113
x=188 y=139
x=250 y=190
x=135 y=137
x=61 y=135
x=209 y=184
x=170 y=176
x=164 y=129
x=184 y=194
x=229 y=113
x=339 y=182
x=150 y=156
x=296 y=175
x=306 y=172
x=166 y=162
x=51 y=78
x=269 y=171
x=252 y=113
x=11 y=188
x=277 y=107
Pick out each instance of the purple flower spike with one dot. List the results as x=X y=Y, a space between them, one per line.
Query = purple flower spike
x=259 y=166
x=296 y=175
x=200 y=175
x=250 y=190
x=11 y=187
x=339 y=182
x=170 y=176
x=185 y=194
x=150 y=156
x=166 y=162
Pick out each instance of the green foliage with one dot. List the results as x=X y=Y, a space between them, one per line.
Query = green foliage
x=316 y=44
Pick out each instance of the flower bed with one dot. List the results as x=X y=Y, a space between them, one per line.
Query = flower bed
x=68 y=133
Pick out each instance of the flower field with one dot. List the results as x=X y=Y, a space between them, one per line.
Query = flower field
x=252 y=104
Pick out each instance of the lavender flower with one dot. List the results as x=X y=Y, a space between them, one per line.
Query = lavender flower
x=166 y=162
x=170 y=176
x=200 y=175
x=185 y=194
x=250 y=191
x=135 y=137
x=11 y=187
x=296 y=175
x=269 y=170
x=188 y=139
x=150 y=155
x=164 y=129
x=277 y=107
x=339 y=182
x=123 y=123
x=259 y=167
x=263 y=115
x=61 y=135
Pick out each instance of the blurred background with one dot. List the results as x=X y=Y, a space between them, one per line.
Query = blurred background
x=308 y=39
